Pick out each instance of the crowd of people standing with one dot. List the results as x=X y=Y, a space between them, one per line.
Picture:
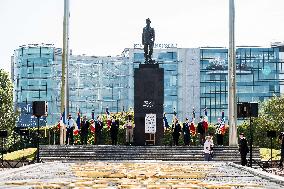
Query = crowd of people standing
x=84 y=127
x=187 y=130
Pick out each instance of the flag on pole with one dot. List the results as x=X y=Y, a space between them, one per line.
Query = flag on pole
x=192 y=128
x=63 y=117
x=223 y=125
x=78 y=120
x=175 y=115
x=193 y=113
x=92 y=126
x=93 y=115
x=107 y=112
x=108 y=120
x=166 y=124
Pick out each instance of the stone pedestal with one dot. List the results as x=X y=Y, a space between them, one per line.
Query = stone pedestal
x=148 y=99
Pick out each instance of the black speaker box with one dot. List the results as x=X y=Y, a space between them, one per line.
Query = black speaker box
x=246 y=109
x=254 y=109
x=39 y=108
x=243 y=110
x=271 y=134
x=3 y=133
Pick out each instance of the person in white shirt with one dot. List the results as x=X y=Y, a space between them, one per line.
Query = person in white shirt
x=129 y=131
x=69 y=130
x=207 y=149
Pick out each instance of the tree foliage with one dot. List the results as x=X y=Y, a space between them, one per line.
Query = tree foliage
x=7 y=114
x=270 y=118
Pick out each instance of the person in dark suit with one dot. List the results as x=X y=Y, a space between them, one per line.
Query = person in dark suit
x=201 y=131
x=243 y=149
x=84 y=130
x=114 y=127
x=176 y=129
x=98 y=131
x=186 y=132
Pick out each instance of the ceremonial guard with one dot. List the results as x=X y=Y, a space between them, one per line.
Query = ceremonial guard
x=85 y=125
x=176 y=129
x=114 y=127
x=186 y=132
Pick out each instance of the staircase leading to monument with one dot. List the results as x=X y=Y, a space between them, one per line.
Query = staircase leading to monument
x=113 y=153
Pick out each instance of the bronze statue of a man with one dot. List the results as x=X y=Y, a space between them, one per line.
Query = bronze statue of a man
x=148 y=39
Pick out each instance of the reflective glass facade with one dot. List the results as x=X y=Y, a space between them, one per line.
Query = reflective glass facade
x=95 y=83
x=257 y=77
x=33 y=80
x=167 y=59
x=193 y=78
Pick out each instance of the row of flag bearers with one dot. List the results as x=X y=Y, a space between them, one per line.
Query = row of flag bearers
x=84 y=127
x=186 y=129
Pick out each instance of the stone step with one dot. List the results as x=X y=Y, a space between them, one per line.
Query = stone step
x=109 y=153
x=135 y=147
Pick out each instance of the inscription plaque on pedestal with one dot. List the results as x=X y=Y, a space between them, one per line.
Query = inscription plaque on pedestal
x=150 y=123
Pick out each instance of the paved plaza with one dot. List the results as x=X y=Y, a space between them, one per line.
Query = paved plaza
x=137 y=174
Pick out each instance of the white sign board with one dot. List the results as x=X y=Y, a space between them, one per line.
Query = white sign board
x=150 y=123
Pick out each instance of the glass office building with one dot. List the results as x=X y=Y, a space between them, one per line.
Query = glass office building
x=194 y=79
x=95 y=83
x=257 y=69
x=167 y=59
x=98 y=83
x=33 y=80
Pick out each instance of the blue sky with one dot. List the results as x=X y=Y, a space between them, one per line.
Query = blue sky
x=106 y=27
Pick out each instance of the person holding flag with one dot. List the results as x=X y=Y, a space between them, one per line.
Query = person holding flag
x=114 y=130
x=176 y=129
x=98 y=131
x=186 y=132
x=84 y=130
x=201 y=131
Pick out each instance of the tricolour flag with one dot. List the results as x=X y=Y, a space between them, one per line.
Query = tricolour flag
x=78 y=120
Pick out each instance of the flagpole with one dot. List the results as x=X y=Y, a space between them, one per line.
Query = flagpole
x=232 y=78
x=64 y=76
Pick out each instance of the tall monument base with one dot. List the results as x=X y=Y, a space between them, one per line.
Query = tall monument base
x=148 y=102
